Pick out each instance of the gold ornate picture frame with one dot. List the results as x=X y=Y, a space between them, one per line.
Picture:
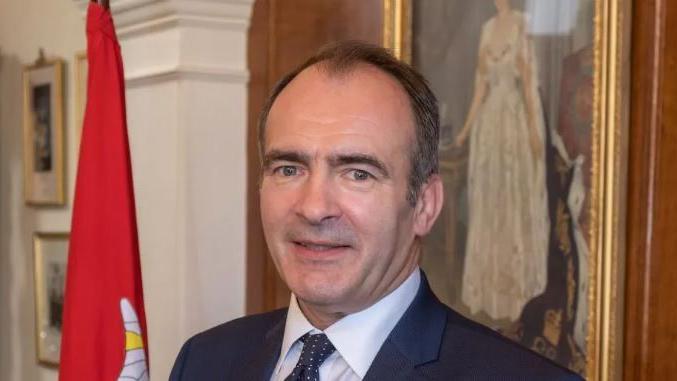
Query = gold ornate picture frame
x=43 y=118
x=50 y=251
x=581 y=68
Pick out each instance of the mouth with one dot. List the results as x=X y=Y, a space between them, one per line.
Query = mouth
x=317 y=250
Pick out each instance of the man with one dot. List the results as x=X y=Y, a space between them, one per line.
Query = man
x=349 y=188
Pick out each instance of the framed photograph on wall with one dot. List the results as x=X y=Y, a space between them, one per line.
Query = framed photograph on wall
x=51 y=255
x=532 y=154
x=43 y=133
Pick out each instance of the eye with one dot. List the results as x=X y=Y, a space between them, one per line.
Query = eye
x=287 y=170
x=360 y=175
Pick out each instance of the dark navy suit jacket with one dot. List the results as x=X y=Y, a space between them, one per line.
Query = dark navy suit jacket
x=430 y=342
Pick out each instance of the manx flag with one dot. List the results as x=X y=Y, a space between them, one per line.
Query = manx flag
x=104 y=324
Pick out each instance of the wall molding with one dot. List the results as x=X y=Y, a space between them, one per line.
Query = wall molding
x=172 y=73
x=142 y=16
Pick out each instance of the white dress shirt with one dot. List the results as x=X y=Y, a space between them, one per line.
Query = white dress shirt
x=357 y=337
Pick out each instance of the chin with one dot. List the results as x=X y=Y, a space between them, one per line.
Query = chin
x=318 y=299
x=320 y=293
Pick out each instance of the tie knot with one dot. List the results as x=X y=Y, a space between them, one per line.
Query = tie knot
x=316 y=349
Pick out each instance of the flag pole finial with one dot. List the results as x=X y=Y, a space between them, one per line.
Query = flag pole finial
x=104 y=3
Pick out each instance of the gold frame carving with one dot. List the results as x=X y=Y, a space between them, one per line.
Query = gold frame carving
x=397 y=28
x=608 y=189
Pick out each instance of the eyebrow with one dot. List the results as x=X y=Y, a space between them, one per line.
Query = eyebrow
x=282 y=155
x=359 y=158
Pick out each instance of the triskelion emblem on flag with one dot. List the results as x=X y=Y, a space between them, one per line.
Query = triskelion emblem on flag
x=135 y=356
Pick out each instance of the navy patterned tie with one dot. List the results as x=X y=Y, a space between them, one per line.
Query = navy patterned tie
x=316 y=349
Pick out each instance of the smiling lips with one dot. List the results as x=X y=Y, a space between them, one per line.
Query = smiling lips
x=315 y=249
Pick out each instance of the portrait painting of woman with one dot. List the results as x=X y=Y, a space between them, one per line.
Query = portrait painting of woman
x=511 y=248
x=508 y=219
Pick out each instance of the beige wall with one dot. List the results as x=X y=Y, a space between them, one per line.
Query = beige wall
x=26 y=25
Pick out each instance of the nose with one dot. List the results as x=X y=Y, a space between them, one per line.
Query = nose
x=317 y=203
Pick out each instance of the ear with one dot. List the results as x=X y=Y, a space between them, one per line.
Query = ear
x=428 y=205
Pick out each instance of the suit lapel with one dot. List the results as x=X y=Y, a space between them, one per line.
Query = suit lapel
x=261 y=365
x=415 y=340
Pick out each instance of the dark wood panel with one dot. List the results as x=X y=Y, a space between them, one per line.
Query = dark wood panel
x=651 y=306
x=300 y=27
x=663 y=331
x=257 y=57
x=283 y=33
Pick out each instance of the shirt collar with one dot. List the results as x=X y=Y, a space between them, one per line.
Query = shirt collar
x=359 y=336
x=295 y=327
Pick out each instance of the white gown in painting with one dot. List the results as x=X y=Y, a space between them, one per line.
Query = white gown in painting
x=507 y=241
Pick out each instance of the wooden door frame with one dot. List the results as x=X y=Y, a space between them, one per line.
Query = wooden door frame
x=650 y=304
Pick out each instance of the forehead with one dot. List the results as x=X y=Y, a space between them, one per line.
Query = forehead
x=365 y=105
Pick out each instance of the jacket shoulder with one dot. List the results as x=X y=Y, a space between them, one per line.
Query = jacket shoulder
x=217 y=349
x=234 y=331
x=485 y=352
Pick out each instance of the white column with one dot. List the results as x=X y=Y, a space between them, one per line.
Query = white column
x=186 y=76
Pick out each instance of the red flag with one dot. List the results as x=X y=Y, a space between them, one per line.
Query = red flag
x=104 y=322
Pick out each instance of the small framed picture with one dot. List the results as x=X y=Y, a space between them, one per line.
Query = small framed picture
x=43 y=133
x=51 y=257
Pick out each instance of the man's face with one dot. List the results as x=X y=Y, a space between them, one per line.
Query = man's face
x=333 y=195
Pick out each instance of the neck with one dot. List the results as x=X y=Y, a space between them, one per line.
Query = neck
x=319 y=318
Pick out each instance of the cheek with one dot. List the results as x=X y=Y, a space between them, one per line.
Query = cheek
x=373 y=216
x=276 y=199
x=267 y=209
x=274 y=208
